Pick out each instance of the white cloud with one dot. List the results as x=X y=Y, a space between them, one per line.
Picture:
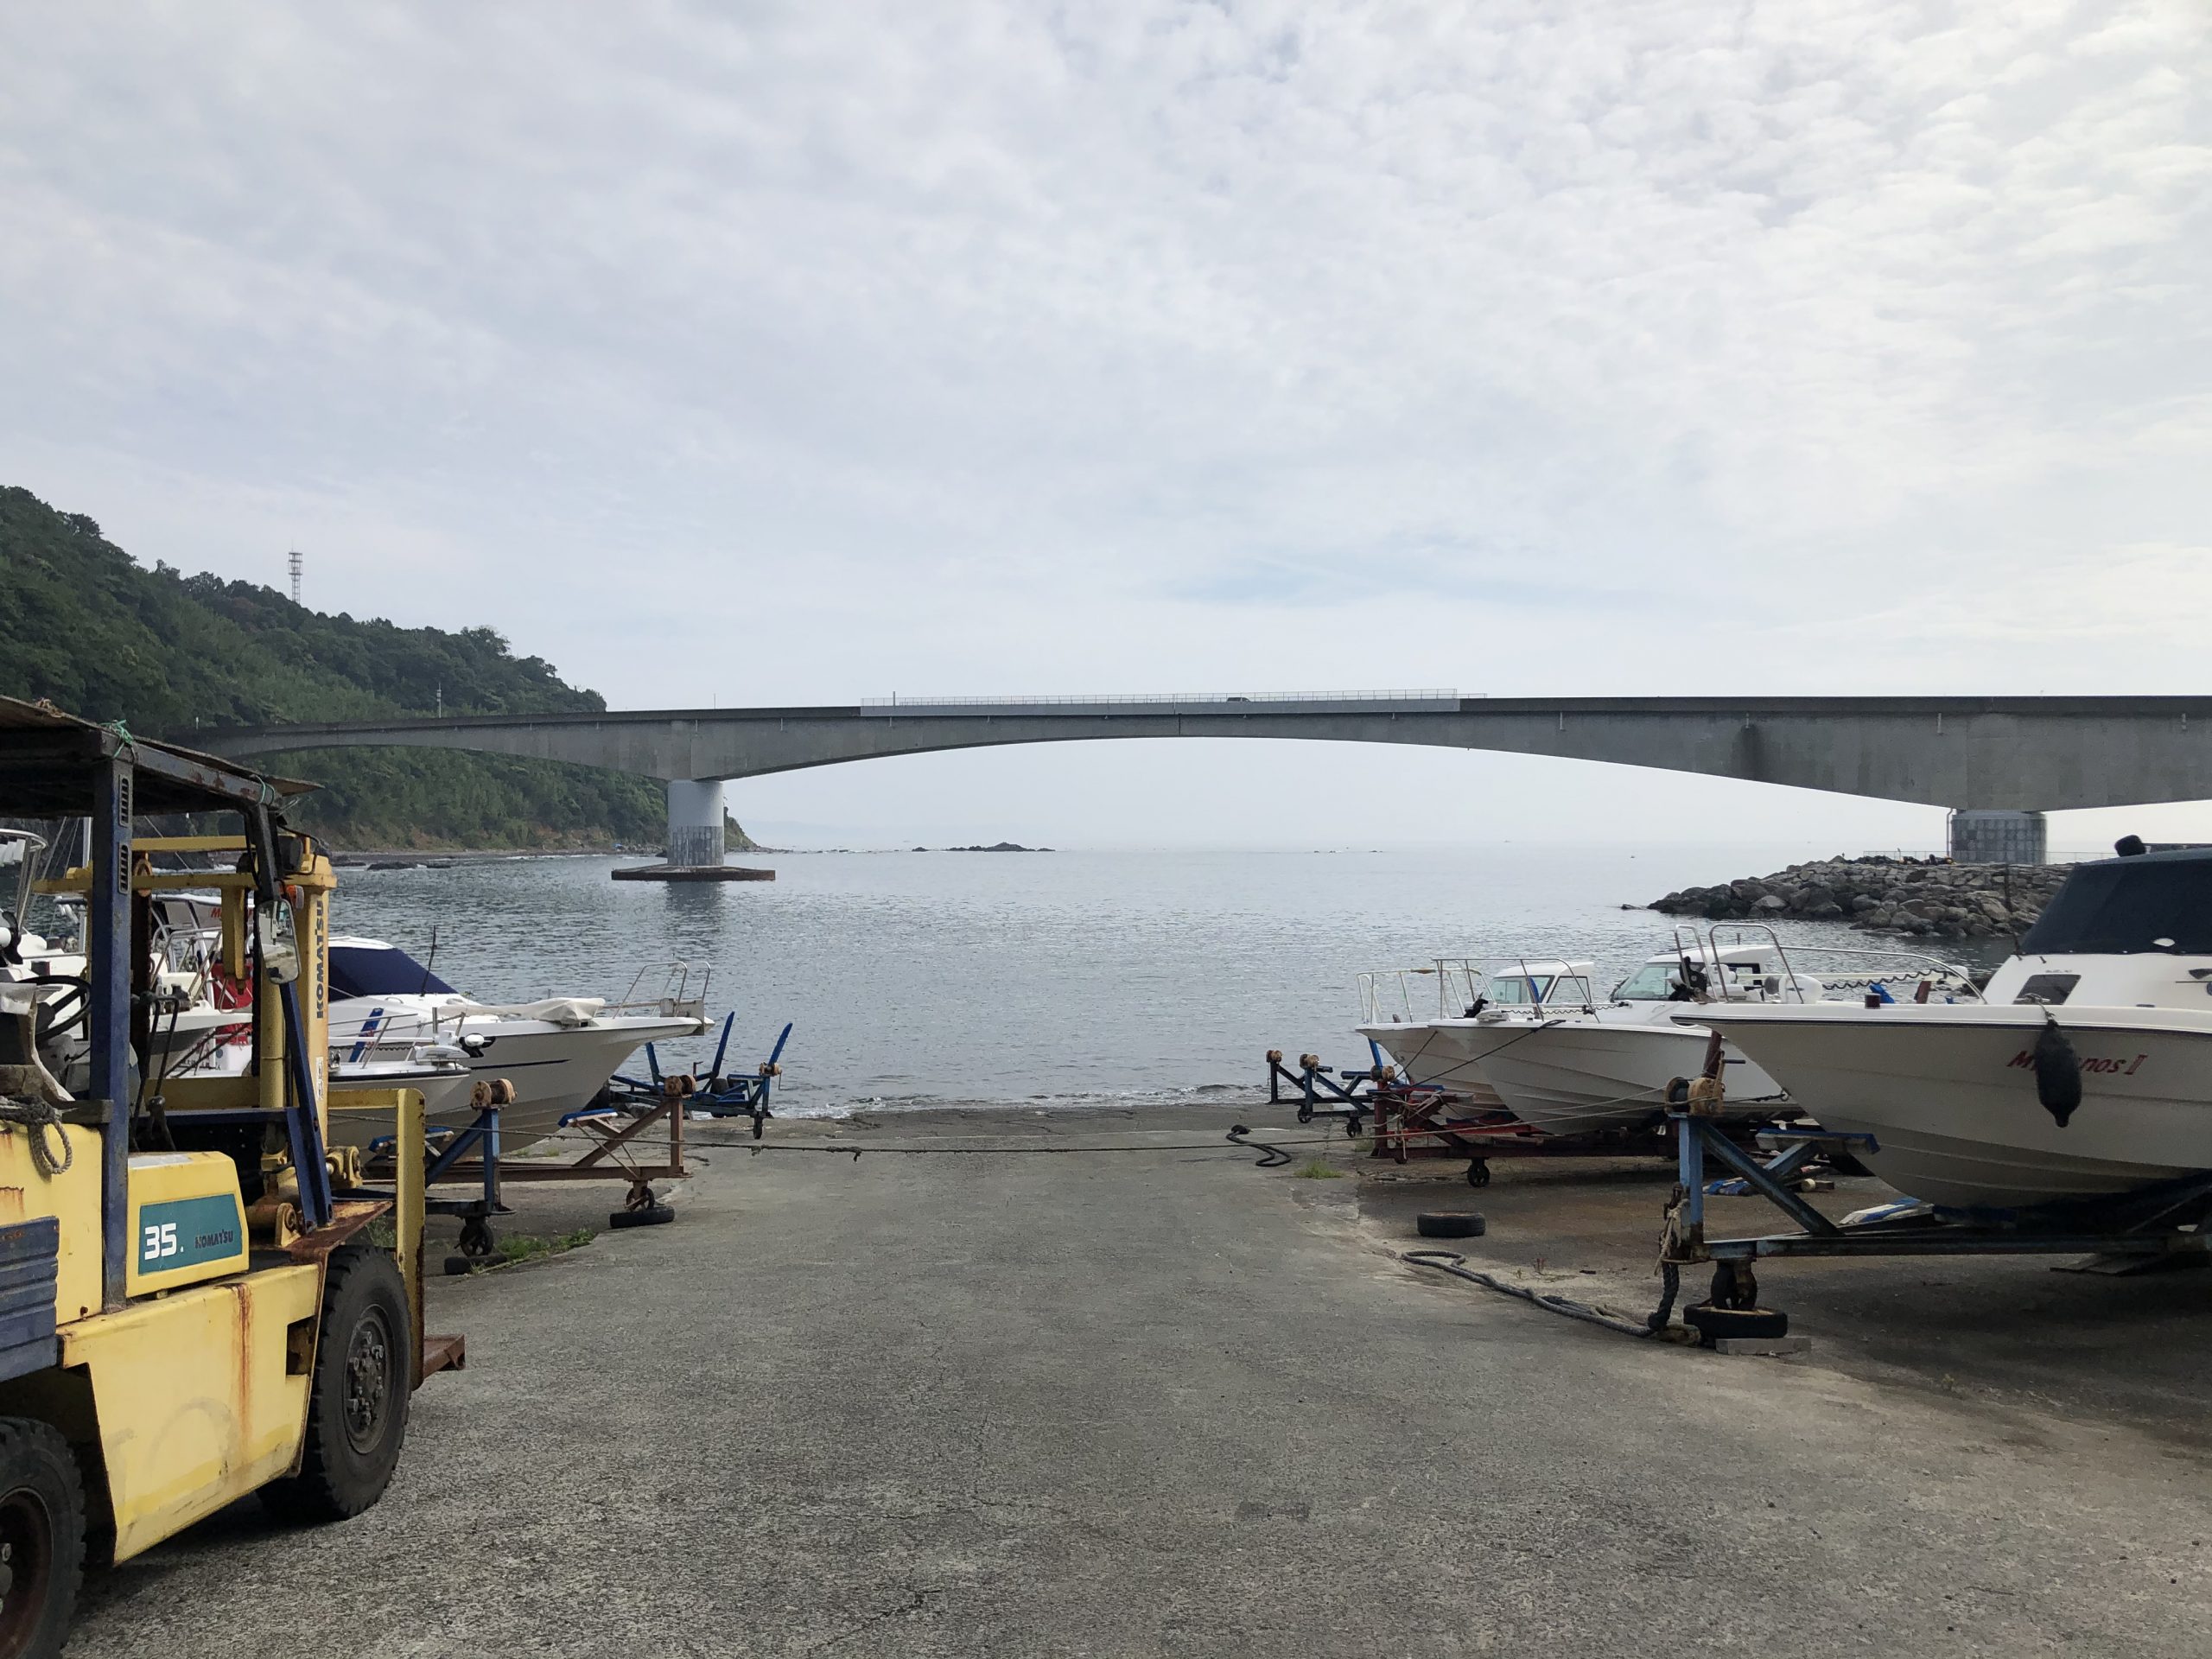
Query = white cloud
x=982 y=347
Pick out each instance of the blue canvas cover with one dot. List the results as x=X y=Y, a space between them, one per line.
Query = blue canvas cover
x=385 y=970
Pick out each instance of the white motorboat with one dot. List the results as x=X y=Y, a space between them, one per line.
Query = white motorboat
x=1446 y=1051
x=1607 y=1068
x=25 y=954
x=2086 y=1071
x=448 y=1089
x=558 y=1054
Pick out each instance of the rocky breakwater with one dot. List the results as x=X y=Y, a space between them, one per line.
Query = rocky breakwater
x=1883 y=895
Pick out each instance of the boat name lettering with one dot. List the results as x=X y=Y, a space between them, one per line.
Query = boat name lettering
x=2091 y=1064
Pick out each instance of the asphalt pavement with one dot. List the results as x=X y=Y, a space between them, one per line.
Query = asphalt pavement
x=1163 y=1402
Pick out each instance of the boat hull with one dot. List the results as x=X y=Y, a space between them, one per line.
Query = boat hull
x=1581 y=1077
x=1952 y=1105
x=555 y=1071
x=354 y=1121
x=1446 y=1054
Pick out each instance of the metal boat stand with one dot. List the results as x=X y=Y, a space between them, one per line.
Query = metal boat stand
x=472 y=1156
x=2134 y=1232
x=713 y=1092
x=1323 y=1092
x=1410 y=1131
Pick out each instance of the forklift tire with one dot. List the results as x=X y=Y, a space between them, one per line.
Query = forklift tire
x=357 y=1404
x=653 y=1215
x=42 y=1538
x=1449 y=1224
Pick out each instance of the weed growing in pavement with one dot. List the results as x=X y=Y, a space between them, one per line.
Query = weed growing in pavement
x=528 y=1247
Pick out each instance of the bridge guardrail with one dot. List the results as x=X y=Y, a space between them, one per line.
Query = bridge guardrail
x=1429 y=699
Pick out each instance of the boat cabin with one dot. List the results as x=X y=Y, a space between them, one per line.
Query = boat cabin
x=1539 y=984
x=2131 y=932
x=361 y=967
x=1735 y=973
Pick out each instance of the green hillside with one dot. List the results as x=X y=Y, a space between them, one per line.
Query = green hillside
x=86 y=626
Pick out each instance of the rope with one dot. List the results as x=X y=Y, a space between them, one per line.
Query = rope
x=1010 y=1152
x=584 y=1138
x=38 y=1119
x=1446 y=1262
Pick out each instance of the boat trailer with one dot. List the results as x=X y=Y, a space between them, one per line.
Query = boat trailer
x=2144 y=1231
x=616 y=1128
x=1424 y=1120
x=1323 y=1092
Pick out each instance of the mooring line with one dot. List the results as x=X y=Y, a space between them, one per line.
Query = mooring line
x=1268 y=1149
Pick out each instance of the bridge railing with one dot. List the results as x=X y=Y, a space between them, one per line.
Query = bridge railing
x=1429 y=698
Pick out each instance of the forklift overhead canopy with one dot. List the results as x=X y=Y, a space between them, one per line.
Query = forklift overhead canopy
x=48 y=761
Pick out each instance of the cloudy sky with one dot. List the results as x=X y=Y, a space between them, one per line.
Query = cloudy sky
x=764 y=352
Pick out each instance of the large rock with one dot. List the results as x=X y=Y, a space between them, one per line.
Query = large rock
x=1770 y=903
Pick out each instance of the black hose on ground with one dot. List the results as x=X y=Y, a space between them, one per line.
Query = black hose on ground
x=1448 y=1261
x=1269 y=1158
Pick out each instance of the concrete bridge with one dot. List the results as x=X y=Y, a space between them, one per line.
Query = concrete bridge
x=1998 y=762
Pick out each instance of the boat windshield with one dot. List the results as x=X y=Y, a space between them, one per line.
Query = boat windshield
x=2123 y=907
x=381 y=970
x=1653 y=982
x=1525 y=990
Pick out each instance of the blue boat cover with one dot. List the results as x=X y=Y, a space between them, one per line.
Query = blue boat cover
x=356 y=971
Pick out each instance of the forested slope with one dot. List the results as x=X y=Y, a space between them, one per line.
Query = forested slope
x=86 y=626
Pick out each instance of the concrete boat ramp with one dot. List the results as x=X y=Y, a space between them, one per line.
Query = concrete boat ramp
x=1164 y=1403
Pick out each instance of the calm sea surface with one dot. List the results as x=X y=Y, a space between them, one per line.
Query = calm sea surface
x=914 y=979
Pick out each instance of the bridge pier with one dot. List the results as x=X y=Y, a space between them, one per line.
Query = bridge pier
x=1991 y=836
x=696 y=838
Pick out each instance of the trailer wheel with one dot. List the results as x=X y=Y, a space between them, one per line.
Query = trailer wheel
x=1478 y=1173
x=357 y=1407
x=41 y=1537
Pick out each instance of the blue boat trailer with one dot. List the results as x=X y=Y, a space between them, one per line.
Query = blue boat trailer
x=2144 y=1230
x=717 y=1093
x=1324 y=1091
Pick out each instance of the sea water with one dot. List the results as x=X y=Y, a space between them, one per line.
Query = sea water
x=920 y=979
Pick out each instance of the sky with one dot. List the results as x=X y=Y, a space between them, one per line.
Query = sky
x=767 y=354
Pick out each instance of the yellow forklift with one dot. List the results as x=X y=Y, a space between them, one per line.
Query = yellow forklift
x=197 y=1301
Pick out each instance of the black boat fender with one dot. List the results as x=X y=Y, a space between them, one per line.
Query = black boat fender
x=2058 y=1072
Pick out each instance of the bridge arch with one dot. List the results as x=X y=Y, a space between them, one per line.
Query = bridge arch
x=2022 y=754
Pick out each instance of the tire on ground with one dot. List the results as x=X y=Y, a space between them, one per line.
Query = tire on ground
x=1710 y=1321
x=42 y=1527
x=1449 y=1224
x=356 y=1405
x=653 y=1215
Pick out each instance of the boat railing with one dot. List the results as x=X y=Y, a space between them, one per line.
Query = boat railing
x=678 y=997
x=1861 y=971
x=1711 y=958
x=1387 y=994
